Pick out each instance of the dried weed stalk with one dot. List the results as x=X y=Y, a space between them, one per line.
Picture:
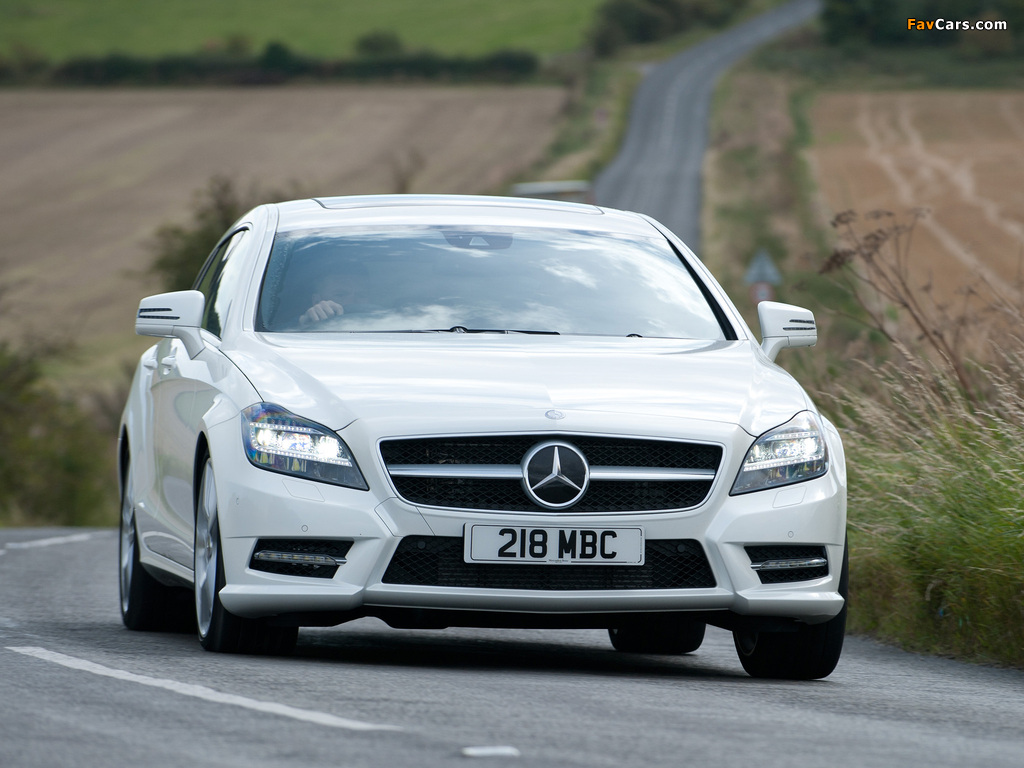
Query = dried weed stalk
x=874 y=257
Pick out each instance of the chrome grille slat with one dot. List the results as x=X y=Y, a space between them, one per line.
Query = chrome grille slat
x=477 y=472
x=514 y=472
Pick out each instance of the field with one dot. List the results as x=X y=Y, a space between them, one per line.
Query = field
x=90 y=175
x=959 y=154
x=61 y=28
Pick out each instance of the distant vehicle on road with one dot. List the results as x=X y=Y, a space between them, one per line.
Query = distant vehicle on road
x=478 y=411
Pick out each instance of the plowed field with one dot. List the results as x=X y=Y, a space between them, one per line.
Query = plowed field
x=958 y=154
x=86 y=177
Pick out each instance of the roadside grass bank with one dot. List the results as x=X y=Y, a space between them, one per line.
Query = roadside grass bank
x=928 y=394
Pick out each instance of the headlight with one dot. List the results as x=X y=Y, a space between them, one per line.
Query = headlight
x=788 y=454
x=282 y=442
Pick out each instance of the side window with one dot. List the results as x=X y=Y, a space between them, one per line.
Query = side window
x=221 y=282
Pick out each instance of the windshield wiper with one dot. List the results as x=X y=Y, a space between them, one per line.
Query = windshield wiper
x=455 y=329
x=464 y=329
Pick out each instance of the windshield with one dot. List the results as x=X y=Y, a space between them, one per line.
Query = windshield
x=478 y=280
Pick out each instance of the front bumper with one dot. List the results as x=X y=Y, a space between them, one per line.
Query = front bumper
x=256 y=504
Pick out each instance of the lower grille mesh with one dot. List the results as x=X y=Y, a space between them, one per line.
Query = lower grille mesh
x=438 y=561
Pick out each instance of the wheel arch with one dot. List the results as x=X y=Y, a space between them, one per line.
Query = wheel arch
x=123 y=460
x=201 y=455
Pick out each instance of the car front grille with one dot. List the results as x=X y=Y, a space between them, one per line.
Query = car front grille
x=484 y=473
x=438 y=561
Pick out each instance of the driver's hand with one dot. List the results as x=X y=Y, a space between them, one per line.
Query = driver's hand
x=320 y=312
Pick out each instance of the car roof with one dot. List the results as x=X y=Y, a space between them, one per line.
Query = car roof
x=467 y=210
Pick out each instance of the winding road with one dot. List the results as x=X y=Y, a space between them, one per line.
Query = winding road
x=77 y=688
x=658 y=169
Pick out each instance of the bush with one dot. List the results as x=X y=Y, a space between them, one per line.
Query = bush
x=57 y=466
x=381 y=57
x=180 y=251
x=625 y=22
x=379 y=44
x=884 y=22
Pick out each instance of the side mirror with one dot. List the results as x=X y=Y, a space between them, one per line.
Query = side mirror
x=173 y=315
x=783 y=325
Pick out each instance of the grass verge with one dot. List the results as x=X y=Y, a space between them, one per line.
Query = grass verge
x=932 y=437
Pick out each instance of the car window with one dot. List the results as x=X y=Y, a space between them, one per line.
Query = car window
x=439 y=278
x=220 y=282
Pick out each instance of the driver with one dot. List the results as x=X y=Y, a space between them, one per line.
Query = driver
x=344 y=283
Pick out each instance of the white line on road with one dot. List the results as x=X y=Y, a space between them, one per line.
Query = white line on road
x=491 y=752
x=202 y=692
x=73 y=538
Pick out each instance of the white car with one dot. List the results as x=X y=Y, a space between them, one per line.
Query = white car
x=478 y=411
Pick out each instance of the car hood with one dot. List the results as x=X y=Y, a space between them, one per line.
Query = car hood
x=451 y=378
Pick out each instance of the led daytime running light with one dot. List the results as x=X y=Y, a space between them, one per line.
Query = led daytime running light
x=279 y=441
x=786 y=448
x=791 y=453
x=297 y=442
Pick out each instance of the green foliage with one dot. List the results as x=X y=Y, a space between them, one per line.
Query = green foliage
x=855 y=64
x=181 y=250
x=627 y=22
x=279 y=59
x=379 y=44
x=278 y=63
x=885 y=22
x=62 y=29
x=57 y=466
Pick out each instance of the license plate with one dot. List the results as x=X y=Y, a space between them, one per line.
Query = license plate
x=554 y=546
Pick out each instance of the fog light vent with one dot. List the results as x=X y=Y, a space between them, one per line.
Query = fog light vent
x=788 y=563
x=311 y=558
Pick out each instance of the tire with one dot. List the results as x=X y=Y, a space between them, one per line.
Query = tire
x=666 y=635
x=146 y=604
x=219 y=630
x=810 y=653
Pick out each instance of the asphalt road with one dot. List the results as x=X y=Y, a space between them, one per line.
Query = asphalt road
x=78 y=689
x=658 y=169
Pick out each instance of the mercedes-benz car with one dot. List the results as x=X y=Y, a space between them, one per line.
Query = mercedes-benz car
x=478 y=411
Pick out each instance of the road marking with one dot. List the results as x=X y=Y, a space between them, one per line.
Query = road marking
x=73 y=538
x=204 y=693
x=490 y=752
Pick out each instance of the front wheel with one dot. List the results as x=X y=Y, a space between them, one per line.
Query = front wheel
x=809 y=653
x=146 y=604
x=220 y=630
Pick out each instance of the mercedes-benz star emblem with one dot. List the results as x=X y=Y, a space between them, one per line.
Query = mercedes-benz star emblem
x=555 y=474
